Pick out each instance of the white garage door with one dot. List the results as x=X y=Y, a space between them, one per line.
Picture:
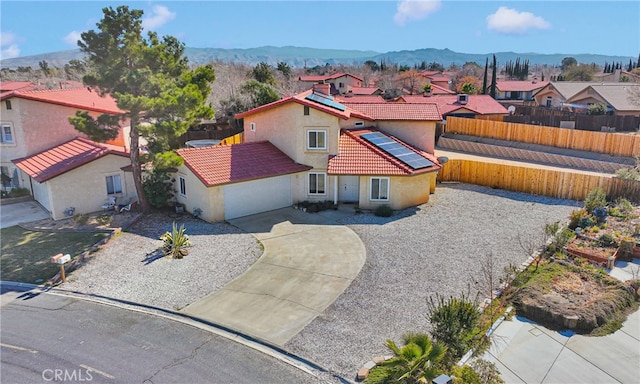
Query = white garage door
x=247 y=198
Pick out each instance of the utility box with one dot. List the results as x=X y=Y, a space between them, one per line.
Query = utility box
x=443 y=379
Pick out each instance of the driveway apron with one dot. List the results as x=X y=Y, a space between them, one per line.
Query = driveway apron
x=308 y=261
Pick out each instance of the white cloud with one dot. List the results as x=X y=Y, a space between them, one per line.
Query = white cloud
x=510 y=21
x=161 y=15
x=409 y=10
x=8 y=46
x=72 y=38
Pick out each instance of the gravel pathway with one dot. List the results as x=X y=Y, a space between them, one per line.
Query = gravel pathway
x=435 y=248
x=129 y=266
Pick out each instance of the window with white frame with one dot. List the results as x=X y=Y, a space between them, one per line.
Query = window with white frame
x=379 y=188
x=183 y=186
x=6 y=136
x=114 y=184
x=252 y=127
x=317 y=182
x=317 y=139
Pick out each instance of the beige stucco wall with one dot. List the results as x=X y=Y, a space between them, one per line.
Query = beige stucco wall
x=209 y=200
x=404 y=191
x=421 y=134
x=85 y=187
x=347 y=82
x=286 y=127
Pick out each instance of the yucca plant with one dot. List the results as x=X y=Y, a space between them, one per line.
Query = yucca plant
x=175 y=242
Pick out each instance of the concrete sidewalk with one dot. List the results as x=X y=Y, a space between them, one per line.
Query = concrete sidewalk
x=308 y=261
x=527 y=352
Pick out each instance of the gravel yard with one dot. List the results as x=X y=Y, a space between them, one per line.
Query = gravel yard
x=128 y=267
x=436 y=248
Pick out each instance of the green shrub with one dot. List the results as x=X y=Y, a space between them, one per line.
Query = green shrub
x=158 y=187
x=608 y=240
x=597 y=197
x=624 y=207
x=575 y=217
x=175 y=242
x=18 y=192
x=383 y=211
x=586 y=222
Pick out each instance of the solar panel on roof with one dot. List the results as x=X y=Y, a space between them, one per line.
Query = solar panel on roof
x=326 y=101
x=397 y=150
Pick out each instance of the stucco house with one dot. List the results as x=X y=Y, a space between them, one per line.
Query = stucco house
x=34 y=119
x=618 y=97
x=339 y=82
x=517 y=92
x=556 y=93
x=318 y=149
x=79 y=174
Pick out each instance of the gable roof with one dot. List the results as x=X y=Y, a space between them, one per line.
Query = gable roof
x=357 y=156
x=75 y=97
x=519 y=85
x=360 y=99
x=616 y=95
x=300 y=99
x=438 y=90
x=224 y=164
x=397 y=111
x=566 y=89
x=62 y=158
x=365 y=90
x=447 y=104
x=10 y=86
x=333 y=76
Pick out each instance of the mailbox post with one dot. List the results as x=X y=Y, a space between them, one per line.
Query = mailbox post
x=61 y=259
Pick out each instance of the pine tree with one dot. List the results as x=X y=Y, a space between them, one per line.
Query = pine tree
x=630 y=66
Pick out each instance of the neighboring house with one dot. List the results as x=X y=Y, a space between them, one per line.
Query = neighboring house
x=340 y=82
x=33 y=120
x=475 y=106
x=618 y=97
x=365 y=91
x=79 y=173
x=516 y=91
x=310 y=147
x=440 y=80
x=556 y=93
x=617 y=76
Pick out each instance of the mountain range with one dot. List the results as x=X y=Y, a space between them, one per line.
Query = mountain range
x=310 y=57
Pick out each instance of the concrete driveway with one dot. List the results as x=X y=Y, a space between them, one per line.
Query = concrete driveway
x=18 y=213
x=308 y=261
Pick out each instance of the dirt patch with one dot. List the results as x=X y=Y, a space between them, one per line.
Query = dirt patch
x=561 y=295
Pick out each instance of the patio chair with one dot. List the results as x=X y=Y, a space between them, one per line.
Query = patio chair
x=124 y=208
x=110 y=204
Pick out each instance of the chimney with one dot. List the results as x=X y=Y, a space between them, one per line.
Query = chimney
x=322 y=88
x=463 y=98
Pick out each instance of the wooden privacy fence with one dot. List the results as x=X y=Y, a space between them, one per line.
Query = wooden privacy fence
x=627 y=145
x=547 y=182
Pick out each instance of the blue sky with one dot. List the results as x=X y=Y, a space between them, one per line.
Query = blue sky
x=569 y=27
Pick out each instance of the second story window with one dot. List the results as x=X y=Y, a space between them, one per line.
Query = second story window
x=8 y=104
x=6 y=136
x=306 y=110
x=317 y=139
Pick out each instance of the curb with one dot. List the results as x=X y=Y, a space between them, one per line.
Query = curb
x=254 y=343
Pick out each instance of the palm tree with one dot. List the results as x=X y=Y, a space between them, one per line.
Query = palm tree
x=415 y=362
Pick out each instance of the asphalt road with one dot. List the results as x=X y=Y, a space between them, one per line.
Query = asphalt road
x=50 y=338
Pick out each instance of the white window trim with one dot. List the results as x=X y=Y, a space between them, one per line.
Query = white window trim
x=324 y=175
x=324 y=132
x=371 y=188
x=121 y=193
x=182 y=182
x=13 y=135
x=252 y=127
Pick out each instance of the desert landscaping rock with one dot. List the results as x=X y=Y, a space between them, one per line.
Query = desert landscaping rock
x=130 y=267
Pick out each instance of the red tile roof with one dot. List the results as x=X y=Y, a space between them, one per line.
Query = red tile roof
x=438 y=90
x=300 y=99
x=397 y=111
x=224 y=164
x=80 y=98
x=315 y=78
x=357 y=156
x=65 y=157
x=447 y=104
x=519 y=86
x=364 y=90
x=360 y=99
x=9 y=86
